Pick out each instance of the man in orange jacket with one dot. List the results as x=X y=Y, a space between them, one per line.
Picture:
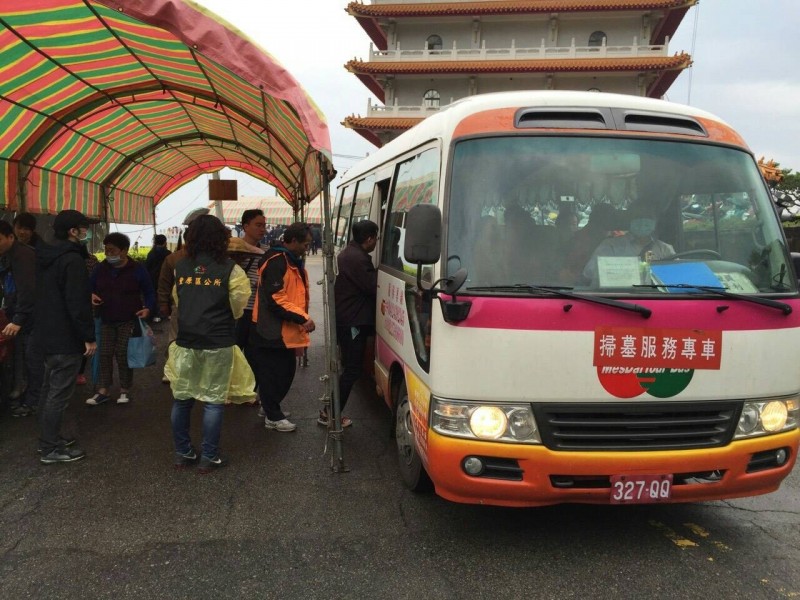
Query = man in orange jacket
x=281 y=323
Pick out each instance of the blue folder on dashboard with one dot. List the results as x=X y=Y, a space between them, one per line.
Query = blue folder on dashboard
x=686 y=273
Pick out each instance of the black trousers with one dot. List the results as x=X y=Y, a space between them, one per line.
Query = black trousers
x=352 y=348
x=274 y=369
x=243 y=327
x=58 y=386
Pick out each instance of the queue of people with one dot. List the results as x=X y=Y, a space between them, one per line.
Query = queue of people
x=238 y=310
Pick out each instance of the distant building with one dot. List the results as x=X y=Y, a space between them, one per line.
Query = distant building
x=426 y=54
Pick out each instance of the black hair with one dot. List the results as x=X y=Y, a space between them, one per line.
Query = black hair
x=251 y=214
x=564 y=216
x=363 y=230
x=6 y=229
x=207 y=235
x=159 y=239
x=296 y=231
x=26 y=220
x=120 y=240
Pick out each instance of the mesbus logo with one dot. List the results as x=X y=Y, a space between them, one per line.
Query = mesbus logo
x=629 y=383
x=659 y=362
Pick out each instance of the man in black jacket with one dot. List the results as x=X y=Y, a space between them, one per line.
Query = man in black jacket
x=155 y=258
x=18 y=271
x=354 y=293
x=64 y=328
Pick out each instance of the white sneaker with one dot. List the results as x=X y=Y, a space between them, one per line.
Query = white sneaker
x=283 y=425
x=123 y=398
x=97 y=399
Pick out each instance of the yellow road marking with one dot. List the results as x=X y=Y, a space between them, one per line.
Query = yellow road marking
x=697 y=530
x=680 y=542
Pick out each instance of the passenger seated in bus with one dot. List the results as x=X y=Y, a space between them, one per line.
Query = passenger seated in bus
x=516 y=251
x=486 y=261
x=566 y=224
x=393 y=250
x=640 y=240
x=602 y=221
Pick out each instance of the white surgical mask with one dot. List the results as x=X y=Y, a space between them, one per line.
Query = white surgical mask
x=113 y=260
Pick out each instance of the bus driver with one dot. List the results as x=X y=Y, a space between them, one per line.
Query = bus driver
x=640 y=240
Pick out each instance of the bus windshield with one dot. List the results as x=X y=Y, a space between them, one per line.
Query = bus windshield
x=612 y=216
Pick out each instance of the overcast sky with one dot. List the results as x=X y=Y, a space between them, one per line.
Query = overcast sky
x=745 y=71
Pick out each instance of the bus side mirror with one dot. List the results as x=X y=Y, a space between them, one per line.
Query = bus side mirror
x=455 y=310
x=423 y=241
x=796 y=265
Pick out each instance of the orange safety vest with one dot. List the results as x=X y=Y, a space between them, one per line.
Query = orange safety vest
x=281 y=328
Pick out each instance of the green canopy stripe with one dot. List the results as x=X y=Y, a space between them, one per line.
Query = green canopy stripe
x=139 y=208
x=4 y=200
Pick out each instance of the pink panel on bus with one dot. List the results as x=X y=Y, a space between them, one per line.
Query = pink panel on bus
x=550 y=314
x=386 y=356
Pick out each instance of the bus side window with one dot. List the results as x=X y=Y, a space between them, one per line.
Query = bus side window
x=362 y=202
x=342 y=224
x=416 y=182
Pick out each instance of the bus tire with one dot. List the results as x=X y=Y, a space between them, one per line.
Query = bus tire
x=411 y=469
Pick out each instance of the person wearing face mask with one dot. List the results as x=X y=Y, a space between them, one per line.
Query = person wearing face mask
x=64 y=329
x=640 y=240
x=122 y=292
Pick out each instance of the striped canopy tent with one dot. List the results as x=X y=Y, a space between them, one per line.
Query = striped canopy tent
x=108 y=106
x=276 y=210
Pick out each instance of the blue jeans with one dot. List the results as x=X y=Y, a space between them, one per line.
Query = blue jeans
x=60 y=371
x=212 y=426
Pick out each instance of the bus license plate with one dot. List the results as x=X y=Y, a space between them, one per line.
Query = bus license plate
x=640 y=489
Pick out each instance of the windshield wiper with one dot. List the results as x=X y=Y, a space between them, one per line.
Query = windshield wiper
x=563 y=292
x=721 y=291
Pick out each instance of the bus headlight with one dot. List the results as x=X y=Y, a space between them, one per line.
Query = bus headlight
x=774 y=415
x=488 y=422
x=768 y=416
x=492 y=422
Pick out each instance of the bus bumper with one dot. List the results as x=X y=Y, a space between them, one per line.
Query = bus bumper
x=529 y=475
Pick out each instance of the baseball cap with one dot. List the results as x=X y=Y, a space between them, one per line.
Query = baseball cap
x=69 y=219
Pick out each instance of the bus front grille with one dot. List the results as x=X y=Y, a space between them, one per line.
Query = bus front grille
x=637 y=426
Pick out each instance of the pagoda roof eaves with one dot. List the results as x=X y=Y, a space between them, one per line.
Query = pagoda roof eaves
x=658 y=63
x=665 y=79
x=374 y=31
x=367 y=127
x=667 y=26
x=368 y=79
x=498 y=7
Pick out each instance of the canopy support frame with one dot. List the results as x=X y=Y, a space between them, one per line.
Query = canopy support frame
x=331 y=399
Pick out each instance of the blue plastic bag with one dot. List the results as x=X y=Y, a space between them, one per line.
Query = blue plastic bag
x=142 y=349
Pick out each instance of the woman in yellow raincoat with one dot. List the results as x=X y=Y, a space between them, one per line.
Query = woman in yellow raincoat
x=204 y=362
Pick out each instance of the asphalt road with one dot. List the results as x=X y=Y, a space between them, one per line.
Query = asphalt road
x=278 y=523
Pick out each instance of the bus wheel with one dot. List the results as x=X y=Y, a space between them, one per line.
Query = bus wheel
x=411 y=469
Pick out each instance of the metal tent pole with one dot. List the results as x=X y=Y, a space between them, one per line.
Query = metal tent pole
x=331 y=378
x=217 y=203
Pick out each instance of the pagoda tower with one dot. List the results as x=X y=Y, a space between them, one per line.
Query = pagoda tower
x=427 y=54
